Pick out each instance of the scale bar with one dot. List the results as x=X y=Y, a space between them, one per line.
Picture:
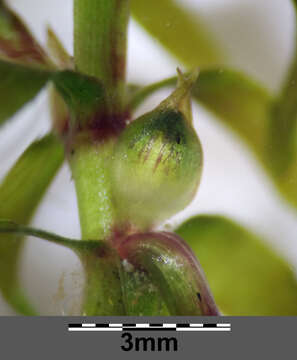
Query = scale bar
x=94 y=329
x=149 y=327
x=204 y=329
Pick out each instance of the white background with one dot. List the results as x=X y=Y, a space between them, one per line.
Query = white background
x=258 y=36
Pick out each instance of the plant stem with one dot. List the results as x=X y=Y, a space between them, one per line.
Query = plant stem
x=90 y=170
x=103 y=292
x=100 y=29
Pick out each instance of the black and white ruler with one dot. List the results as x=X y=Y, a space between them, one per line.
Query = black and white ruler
x=149 y=327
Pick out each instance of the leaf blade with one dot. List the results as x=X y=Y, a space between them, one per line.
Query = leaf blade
x=17 y=44
x=10 y=227
x=57 y=51
x=178 y=31
x=282 y=157
x=20 y=193
x=18 y=86
x=246 y=276
x=23 y=64
x=240 y=103
x=102 y=289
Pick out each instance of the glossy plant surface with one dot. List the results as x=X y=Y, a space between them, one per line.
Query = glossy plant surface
x=131 y=174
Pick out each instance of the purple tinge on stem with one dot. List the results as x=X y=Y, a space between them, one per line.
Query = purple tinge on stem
x=173 y=268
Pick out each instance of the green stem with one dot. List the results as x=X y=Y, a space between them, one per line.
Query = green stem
x=103 y=292
x=90 y=163
x=90 y=169
x=100 y=29
x=100 y=32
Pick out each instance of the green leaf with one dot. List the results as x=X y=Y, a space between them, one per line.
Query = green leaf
x=183 y=34
x=20 y=194
x=173 y=270
x=10 y=227
x=101 y=270
x=239 y=102
x=17 y=44
x=57 y=51
x=287 y=182
x=100 y=263
x=137 y=94
x=18 y=85
x=59 y=110
x=78 y=104
x=245 y=275
x=83 y=94
x=282 y=154
x=269 y=126
x=23 y=64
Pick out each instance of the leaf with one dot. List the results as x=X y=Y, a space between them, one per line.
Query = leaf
x=287 y=182
x=95 y=256
x=282 y=154
x=83 y=94
x=102 y=284
x=57 y=51
x=181 y=33
x=17 y=44
x=20 y=194
x=137 y=94
x=10 y=227
x=59 y=111
x=23 y=64
x=267 y=125
x=173 y=270
x=240 y=103
x=18 y=86
x=245 y=275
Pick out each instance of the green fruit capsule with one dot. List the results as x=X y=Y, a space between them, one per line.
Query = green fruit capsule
x=157 y=162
